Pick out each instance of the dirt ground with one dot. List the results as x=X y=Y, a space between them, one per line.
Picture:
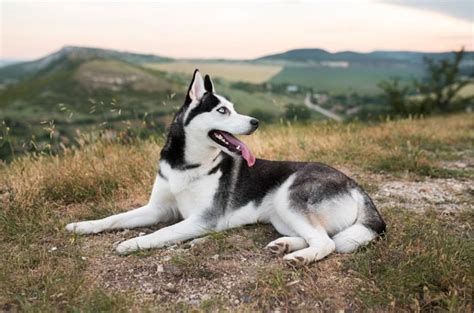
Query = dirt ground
x=233 y=270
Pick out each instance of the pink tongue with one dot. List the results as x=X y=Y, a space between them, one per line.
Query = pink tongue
x=246 y=153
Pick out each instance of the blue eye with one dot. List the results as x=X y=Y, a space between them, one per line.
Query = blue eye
x=222 y=110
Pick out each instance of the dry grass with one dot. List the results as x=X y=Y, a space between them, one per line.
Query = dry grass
x=46 y=269
x=252 y=73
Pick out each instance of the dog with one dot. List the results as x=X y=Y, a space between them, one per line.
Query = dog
x=208 y=180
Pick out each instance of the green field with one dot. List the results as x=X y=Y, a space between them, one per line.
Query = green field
x=362 y=80
x=230 y=71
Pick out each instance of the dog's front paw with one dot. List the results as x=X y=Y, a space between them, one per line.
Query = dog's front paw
x=295 y=260
x=277 y=247
x=81 y=228
x=128 y=246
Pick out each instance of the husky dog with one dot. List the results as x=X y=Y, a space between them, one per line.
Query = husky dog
x=208 y=180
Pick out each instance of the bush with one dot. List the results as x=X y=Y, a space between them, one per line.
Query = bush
x=262 y=116
x=296 y=112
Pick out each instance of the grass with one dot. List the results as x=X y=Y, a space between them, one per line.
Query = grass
x=231 y=71
x=362 y=80
x=429 y=266
x=424 y=262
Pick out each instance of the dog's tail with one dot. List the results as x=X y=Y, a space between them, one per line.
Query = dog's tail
x=368 y=226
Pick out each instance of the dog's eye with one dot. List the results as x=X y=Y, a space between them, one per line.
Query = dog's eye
x=222 y=110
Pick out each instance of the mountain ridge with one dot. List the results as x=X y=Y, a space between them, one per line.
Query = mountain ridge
x=17 y=71
x=20 y=69
x=317 y=55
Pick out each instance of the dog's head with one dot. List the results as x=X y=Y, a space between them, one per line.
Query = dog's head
x=212 y=121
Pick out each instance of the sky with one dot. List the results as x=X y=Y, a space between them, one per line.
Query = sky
x=234 y=29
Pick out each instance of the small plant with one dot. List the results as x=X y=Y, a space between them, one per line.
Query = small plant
x=295 y=112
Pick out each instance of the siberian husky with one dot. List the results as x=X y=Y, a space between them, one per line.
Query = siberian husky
x=208 y=180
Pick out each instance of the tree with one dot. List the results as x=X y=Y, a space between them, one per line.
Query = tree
x=396 y=96
x=443 y=84
x=438 y=92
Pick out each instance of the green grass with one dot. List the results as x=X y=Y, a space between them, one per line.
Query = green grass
x=362 y=80
x=424 y=263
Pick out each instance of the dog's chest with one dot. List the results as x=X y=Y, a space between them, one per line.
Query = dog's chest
x=193 y=192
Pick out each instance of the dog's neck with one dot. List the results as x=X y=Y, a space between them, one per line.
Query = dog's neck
x=196 y=151
x=184 y=150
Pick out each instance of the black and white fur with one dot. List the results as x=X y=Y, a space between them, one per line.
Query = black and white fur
x=204 y=186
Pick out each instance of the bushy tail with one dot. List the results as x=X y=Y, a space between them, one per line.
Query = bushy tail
x=369 y=225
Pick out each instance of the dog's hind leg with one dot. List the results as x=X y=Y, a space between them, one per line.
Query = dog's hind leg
x=160 y=208
x=319 y=244
x=287 y=244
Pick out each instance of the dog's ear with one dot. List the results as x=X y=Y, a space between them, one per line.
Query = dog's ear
x=208 y=84
x=196 y=88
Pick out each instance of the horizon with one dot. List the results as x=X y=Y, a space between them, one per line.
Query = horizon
x=234 y=31
x=223 y=58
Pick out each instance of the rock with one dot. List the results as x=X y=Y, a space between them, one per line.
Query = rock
x=174 y=270
x=159 y=268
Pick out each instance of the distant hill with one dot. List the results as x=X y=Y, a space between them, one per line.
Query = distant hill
x=14 y=72
x=5 y=62
x=307 y=55
x=387 y=58
x=348 y=71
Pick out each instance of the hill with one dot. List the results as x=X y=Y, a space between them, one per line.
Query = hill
x=14 y=72
x=376 y=57
x=78 y=88
x=354 y=72
x=84 y=88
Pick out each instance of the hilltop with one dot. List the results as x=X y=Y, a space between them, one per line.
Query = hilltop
x=17 y=71
x=418 y=173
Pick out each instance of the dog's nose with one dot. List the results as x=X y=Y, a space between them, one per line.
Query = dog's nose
x=254 y=122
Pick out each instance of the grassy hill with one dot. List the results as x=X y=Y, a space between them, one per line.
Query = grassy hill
x=419 y=174
x=80 y=89
x=45 y=102
x=14 y=72
x=372 y=58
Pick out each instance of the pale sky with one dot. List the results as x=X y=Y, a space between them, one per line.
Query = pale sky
x=234 y=29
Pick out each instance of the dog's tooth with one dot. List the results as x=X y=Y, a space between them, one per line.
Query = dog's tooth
x=238 y=148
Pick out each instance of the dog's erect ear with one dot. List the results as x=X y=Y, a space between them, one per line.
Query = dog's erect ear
x=196 y=89
x=208 y=84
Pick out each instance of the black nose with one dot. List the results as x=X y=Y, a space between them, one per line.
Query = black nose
x=254 y=122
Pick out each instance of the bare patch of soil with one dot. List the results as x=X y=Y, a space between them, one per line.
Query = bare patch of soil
x=446 y=195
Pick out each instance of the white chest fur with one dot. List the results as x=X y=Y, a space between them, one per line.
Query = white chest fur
x=193 y=189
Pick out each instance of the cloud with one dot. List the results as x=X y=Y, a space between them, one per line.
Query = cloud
x=461 y=9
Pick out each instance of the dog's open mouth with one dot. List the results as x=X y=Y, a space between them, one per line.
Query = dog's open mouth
x=233 y=144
